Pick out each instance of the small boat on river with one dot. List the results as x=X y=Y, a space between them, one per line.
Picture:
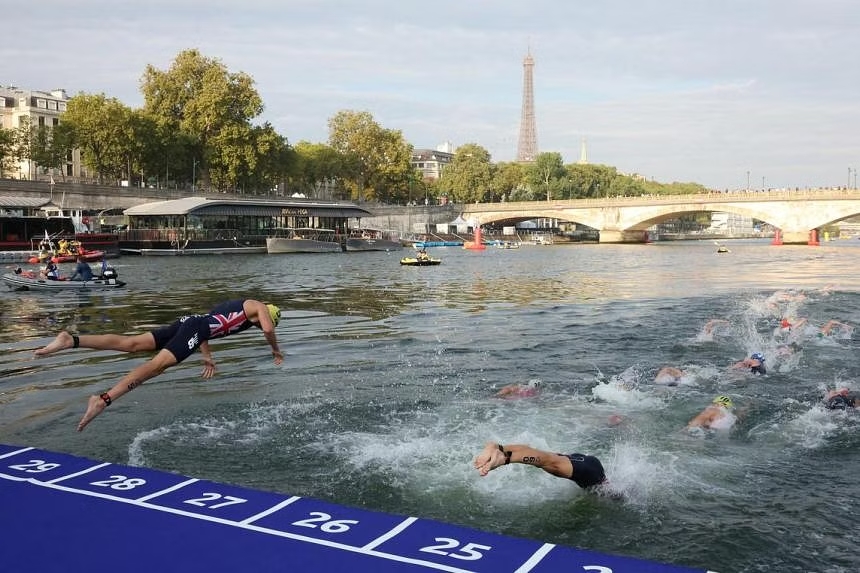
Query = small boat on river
x=416 y=262
x=27 y=280
x=89 y=256
x=367 y=239
x=303 y=240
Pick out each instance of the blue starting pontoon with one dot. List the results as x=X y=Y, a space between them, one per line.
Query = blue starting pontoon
x=64 y=513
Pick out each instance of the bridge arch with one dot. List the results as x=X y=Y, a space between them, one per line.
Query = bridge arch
x=625 y=219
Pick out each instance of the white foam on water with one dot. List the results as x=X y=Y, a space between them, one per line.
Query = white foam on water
x=810 y=429
x=250 y=425
x=620 y=393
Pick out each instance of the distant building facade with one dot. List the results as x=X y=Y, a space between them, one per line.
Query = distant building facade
x=19 y=108
x=431 y=162
x=730 y=224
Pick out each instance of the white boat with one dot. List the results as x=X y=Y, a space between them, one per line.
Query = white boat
x=303 y=240
x=368 y=239
x=197 y=251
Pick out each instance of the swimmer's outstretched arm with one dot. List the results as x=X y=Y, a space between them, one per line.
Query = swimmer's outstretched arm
x=830 y=325
x=833 y=393
x=507 y=390
x=208 y=361
x=704 y=418
x=494 y=455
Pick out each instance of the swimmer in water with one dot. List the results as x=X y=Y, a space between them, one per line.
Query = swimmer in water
x=841 y=399
x=787 y=326
x=586 y=471
x=716 y=416
x=755 y=363
x=713 y=324
x=519 y=390
x=830 y=326
x=669 y=376
x=788 y=349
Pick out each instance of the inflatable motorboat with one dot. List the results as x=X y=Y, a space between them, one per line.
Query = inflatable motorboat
x=28 y=280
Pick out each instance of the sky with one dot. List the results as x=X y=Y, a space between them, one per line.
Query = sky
x=730 y=93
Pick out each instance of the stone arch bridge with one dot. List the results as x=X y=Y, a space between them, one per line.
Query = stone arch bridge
x=626 y=219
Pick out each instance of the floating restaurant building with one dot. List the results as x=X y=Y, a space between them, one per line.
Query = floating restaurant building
x=197 y=225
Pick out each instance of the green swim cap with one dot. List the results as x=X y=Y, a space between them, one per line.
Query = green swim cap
x=275 y=313
x=723 y=401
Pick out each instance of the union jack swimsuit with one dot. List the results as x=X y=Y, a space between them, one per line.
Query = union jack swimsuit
x=186 y=334
x=228 y=318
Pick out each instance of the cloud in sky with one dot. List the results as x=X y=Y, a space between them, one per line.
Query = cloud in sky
x=675 y=90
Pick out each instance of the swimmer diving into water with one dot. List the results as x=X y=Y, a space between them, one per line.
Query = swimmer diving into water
x=174 y=344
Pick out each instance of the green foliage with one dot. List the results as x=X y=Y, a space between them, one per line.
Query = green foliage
x=22 y=141
x=376 y=161
x=199 y=96
x=7 y=149
x=246 y=157
x=212 y=108
x=546 y=175
x=318 y=169
x=508 y=181
x=469 y=176
x=101 y=128
x=625 y=186
x=51 y=147
x=430 y=191
x=676 y=188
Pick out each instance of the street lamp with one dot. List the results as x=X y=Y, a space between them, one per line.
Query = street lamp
x=748 y=180
x=194 y=176
x=762 y=183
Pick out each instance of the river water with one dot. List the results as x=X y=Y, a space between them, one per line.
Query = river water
x=387 y=392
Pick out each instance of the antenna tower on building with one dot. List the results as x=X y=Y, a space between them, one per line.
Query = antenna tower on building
x=527 y=147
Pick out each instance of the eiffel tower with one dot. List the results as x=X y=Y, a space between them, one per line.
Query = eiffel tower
x=527 y=146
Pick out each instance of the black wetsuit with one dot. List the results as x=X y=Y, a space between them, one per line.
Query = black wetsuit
x=841 y=402
x=587 y=470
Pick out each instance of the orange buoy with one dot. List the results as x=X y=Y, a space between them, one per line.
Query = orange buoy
x=477 y=244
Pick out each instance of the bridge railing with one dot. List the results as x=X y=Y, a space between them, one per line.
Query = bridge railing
x=695 y=198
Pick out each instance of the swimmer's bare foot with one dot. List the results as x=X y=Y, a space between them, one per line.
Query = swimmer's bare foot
x=63 y=341
x=95 y=406
x=489 y=459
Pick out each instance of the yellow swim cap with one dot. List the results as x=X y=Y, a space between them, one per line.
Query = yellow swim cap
x=275 y=313
x=723 y=401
